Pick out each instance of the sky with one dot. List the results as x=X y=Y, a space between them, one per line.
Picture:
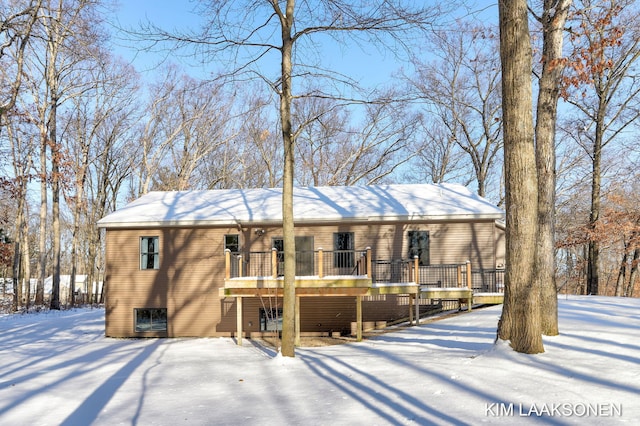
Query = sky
x=369 y=65
x=57 y=368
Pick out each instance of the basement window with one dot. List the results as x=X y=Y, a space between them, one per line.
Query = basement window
x=150 y=319
x=271 y=319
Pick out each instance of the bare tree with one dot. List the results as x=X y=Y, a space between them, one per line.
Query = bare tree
x=203 y=115
x=68 y=33
x=520 y=319
x=603 y=88
x=17 y=20
x=252 y=160
x=461 y=87
x=252 y=34
x=113 y=159
x=160 y=127
x=552 y=19
x=332 y=151
x=110 y=85
x=22 y=149
x=438 y=158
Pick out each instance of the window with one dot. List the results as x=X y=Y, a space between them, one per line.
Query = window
x=304 y=254
x=150 y=319
x=419 y=246
x=149 y=253
x=343 y=245
x=232 y=243
x=271 y=319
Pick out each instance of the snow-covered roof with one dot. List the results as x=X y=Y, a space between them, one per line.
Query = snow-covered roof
x=311 y=205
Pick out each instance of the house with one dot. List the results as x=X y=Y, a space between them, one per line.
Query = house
x=209 y=263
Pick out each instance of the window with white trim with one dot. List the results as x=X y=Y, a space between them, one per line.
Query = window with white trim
x=232 y=243
x=419 y=246
x=149 y=253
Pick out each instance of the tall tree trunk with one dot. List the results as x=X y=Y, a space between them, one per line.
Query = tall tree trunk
x=17 y=283
x=52 y=75
x=593 y=265
x=554 y=16
x=55 y=201
x=520 y=320
x=80 y=182
x=622 y=274
x=628 y=292
x=42 y=241
x=26 y=260
x=289 y=296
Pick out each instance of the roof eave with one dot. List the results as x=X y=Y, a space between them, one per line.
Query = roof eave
x=272 y=222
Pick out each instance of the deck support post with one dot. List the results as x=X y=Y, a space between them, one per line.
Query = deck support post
x=359 y=318
x=227 y=264
x=296 y=341
x=320 y=263
x=239 y=320
x=274 y=263
x=417 y=296
x=470 y=286
x=411 y=309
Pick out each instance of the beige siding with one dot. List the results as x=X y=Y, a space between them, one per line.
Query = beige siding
x=192 y=270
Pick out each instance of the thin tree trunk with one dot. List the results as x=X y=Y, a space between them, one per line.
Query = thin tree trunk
x=289 y=296
x=55 y=204
x=80 y=182
x=593 y=267
x=622 y=274
x=17 y=284
x=42 y=242
x=628 y=292
x=26 y=261
x=520 y=320
x=553 y=19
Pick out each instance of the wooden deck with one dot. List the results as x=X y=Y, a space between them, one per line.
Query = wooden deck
x=358 y=286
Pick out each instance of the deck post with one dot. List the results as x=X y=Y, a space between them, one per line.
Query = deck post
x=417 y=296
x=411 y=309
x=240 y=266
x=227 y=264
x=320 y=262
x=296 y=341
x=469 y=285
x=359 y=318
x=274 y=263
x=239 y=320
x=416 y=270
x=459 y=283
x=369 y=272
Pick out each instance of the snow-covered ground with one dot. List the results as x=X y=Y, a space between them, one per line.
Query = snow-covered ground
x=58 y=368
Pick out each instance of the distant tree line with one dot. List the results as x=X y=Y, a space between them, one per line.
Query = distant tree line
x=82 y=133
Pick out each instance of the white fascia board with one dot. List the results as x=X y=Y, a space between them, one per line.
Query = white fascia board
x=235 y=223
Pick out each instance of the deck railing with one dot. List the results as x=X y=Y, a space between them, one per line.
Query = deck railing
x=487 y=280
x=319 y=263
x=393 y=271
x=323 y=263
